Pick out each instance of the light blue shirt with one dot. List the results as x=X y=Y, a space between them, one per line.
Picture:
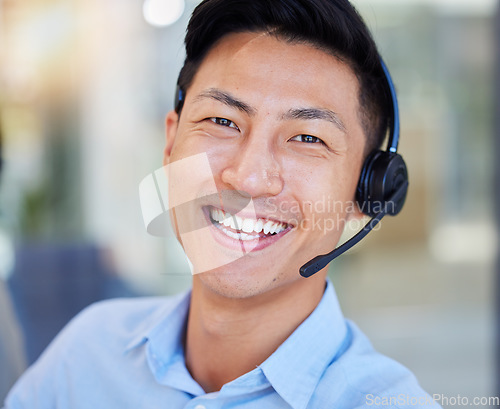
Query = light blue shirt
x=129 y=354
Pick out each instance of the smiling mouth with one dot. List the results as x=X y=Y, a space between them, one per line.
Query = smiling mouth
x=245 y=229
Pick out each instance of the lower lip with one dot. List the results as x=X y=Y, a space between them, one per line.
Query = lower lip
x=242 y=245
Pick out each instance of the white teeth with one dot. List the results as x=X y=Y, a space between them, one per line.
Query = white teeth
x=245 y=225
x=217 y=216
x=239 y=222
x=258 y=226
x=248 y=225
x=220 y=215
x=238 y=236
x=279 y=228
x=232 y=223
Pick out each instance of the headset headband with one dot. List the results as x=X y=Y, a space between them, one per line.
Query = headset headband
x=392 y=145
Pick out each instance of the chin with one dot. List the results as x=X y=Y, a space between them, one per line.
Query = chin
x=234 y=282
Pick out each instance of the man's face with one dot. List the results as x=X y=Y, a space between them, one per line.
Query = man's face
x=279 y=124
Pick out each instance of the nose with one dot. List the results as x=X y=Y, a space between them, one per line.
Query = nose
x=254 y=170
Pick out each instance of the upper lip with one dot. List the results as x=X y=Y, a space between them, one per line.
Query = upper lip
x=250 y=215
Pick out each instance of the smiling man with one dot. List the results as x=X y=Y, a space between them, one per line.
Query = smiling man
x=284 y=100
x=253 y=107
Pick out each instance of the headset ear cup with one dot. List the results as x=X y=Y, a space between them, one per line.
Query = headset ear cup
x=382 y=173
x=363 y=191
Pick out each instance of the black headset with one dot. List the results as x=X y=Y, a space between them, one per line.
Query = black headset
x=382 y=185
x=383 y=172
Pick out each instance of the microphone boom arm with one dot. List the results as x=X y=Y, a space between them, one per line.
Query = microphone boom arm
x=321 y=261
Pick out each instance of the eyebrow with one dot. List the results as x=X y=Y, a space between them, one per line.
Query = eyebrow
x=295 y=113
x=315 y=113
x=227 y=99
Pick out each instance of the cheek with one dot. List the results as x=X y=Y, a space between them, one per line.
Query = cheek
x=190 y=144
x=325 y=195
x=336 y=178
x=184 y=147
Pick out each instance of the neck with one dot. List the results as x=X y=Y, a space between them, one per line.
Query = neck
x=228 y=337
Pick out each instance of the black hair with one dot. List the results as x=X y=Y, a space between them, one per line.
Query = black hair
x=331 y=25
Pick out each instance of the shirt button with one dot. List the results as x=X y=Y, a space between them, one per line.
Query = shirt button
x=200 y=407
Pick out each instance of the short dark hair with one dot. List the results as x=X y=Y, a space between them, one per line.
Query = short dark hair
x=331 y=25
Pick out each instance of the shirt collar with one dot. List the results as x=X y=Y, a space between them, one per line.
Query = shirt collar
x=296 y=367
x=293 y=370
x=162 y=337
x=173 y=314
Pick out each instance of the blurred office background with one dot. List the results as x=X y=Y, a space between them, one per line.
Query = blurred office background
x=84 y=89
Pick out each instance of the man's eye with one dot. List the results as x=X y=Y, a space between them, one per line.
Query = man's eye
x=306 y=139
x=224 y=122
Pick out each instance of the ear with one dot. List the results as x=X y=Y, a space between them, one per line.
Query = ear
x=171 y=125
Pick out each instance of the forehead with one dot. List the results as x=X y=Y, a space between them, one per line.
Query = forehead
x=262 y=64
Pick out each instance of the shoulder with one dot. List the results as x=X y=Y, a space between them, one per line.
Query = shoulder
x=93 y=342
x=371 y=379
x=122 y=312
x=128 y=307
x=113 y=323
